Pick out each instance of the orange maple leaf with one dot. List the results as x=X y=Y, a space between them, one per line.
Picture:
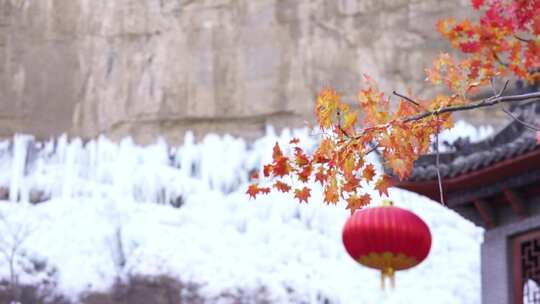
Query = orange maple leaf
x=331 y=194
x=302 y=194
x=349 y=120
x=281 y=186
x=369 y=172
x=399 y=166
x=383 y=184
x=253 y=190
x=351 y=185
x=355 y=202
x=301 y=158
x=320 y=176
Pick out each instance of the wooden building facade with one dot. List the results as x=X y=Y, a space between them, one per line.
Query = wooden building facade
x=495 y=184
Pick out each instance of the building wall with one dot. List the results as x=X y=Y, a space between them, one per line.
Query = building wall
x=496 y=258
x=159 y=67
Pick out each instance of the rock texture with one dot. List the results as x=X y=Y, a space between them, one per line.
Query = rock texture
x=159 y=67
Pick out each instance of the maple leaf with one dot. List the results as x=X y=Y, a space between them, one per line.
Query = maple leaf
x=253 y=190
x=399 y=166
x=281 y=186
x=301 y=158
x=320 y=176
x=302 y=194
x=327 y=105
x=348 y=167
x=355 y=202
x=255 y=175
x=324 y=152
x=276 y=153
x=282 y=167
x=383 y=184
x=331 y=194
x=536 y=25
x=477 y=3
x=294 y=141
x=469 y=46
x=267 y=170
x=369 y=172
x=351 y=185
x=349 y=120
x=264 y=190
x=305 y=173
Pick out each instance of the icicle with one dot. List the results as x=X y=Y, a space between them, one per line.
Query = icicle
x=20 y=147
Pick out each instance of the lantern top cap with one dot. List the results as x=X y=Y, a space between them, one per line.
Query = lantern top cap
x=387 y=203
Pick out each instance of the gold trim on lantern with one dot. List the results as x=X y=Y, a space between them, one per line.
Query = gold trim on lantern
x=387 y=260
x=387 y=263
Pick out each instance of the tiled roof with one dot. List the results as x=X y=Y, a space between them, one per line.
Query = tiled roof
x=513 y=140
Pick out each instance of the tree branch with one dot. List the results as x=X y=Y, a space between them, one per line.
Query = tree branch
x=481 y=104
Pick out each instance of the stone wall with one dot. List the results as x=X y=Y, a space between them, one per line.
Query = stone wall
x=160 y=67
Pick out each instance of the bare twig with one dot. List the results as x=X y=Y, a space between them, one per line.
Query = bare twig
x=371 y=149
x=522 y=39
x=526 y=124
x=406 y=98
x=501 y=92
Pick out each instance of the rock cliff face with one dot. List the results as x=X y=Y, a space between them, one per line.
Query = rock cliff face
x=159 y=67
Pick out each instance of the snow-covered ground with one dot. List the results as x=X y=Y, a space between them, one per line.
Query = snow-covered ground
x=108 y=215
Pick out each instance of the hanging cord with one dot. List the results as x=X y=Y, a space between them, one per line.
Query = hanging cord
x=437 y=161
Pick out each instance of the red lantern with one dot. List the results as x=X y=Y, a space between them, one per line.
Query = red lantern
x=386 y=238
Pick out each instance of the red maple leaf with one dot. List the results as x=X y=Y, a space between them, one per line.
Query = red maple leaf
x=267 y=170
x=305 y=173
x=276 y=153
x=253 y=190
x=264 y=190
x=302 y=194
x=294 y=140
x=281 y=186
x=282 y=167
x=469 y=46
x=477 y=3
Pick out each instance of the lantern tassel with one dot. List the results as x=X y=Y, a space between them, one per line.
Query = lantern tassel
x=388 y=273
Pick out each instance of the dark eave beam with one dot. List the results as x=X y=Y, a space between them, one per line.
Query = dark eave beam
x=486 y=212
x=516 y=202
